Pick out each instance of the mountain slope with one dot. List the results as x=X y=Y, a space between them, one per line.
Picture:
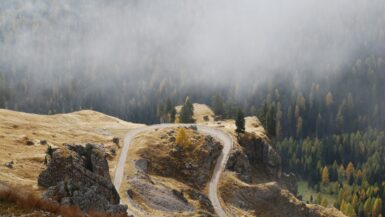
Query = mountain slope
x=25 y=138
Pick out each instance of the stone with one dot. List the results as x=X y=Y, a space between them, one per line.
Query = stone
x=130 y=193
x=9 y=164
x=204 y=201
x=141 y=165
x=179 y=195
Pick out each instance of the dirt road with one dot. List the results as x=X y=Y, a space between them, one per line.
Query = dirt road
x=219 y=167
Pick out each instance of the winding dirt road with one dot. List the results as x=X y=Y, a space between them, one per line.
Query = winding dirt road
x=219 y=167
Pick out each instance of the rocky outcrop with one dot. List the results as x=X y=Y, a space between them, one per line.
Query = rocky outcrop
x=268 y=192
x=260 y=152
x=78 y=175
x=189 y=166
x=289 y=181
x=254 y=152
x=239 y=163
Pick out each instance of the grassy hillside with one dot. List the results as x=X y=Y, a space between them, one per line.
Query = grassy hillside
x=26 y=137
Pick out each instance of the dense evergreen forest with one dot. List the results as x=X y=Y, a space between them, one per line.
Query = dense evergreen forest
x=326 y=117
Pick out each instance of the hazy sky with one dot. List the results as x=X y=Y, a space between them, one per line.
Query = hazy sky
x=223 y=39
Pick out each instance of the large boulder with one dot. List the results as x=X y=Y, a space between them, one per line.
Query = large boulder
x=78 y=175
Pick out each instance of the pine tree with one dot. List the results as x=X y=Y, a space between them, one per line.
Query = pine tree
x=318 y=129
x=172 y=115
x=186 y=112
x=278 y=125
x=299 y=124
x=240 y=122
x=217 y=104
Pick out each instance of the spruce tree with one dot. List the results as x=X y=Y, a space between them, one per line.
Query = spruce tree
x=187 y=111
x=172 y=115
x=240 y=122
x=218 y=106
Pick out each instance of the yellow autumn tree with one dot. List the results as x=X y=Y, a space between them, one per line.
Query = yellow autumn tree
x=350 y=173
x=325 y=175
x=182 y=138
x=377 y=207
x=350 y=170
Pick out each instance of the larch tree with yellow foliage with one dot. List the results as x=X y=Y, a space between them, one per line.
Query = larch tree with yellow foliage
x=182 y=138
x=350 y=173
x=325 y=175
x=377 y=207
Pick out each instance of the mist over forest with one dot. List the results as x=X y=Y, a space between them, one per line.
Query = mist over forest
x=125 y=57
x=312 y=71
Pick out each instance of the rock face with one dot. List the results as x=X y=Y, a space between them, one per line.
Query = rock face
x=255 y=152
x=270 y=200
x=239 y=163
x=158 y=197
x=78 y=175
x=268 y=192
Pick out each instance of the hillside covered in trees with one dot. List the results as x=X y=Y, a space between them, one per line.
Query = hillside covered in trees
x=317 y=87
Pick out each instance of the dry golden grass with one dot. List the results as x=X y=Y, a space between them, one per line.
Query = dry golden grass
x=157 y=149
x=23 y=202
x=200 y=111
x=18 y=128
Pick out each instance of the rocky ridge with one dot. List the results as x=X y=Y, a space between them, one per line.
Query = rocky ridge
x=255 y=185
x=251 y=153
x=78 y=175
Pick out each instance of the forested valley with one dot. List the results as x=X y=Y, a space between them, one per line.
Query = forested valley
x=326 y=119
